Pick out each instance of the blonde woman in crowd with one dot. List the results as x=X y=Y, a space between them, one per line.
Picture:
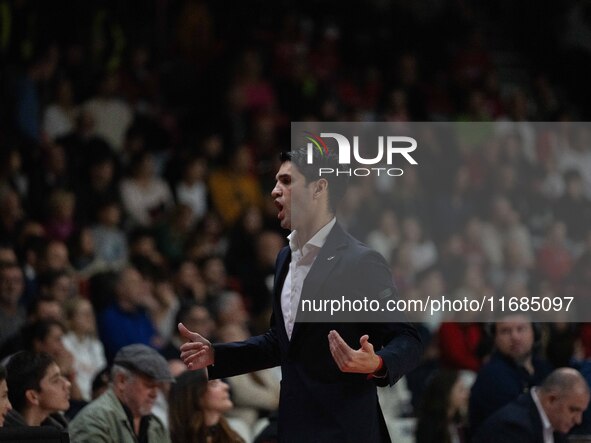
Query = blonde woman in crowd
x=82 y=342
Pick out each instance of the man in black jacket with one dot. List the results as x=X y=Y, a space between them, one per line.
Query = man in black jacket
x=544 y=415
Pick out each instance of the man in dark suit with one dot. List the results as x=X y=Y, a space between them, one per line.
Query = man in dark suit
x=512 y=369
x=329 y=370
x=544 y=415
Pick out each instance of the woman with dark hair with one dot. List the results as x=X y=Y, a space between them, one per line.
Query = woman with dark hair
x=442 y=412
x=5 y=405
x=196 y=408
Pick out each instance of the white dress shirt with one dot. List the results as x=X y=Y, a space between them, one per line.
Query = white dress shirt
x=547 y=427
x=302 y=259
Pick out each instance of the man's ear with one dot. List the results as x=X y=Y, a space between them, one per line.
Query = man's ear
x=553 y=398
x=118 y=379
x=32 y=397
x=320 y=187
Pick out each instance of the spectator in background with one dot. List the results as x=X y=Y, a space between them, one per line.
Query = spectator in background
x=57 y=285
x=45 y=308
x=240 y=256
x=54 y=257
x=460 y=345
x=99 y=182
x=12 y=215
x=43 y=256
x=112 y=116
x=430 y=284
x=42 y=308
x=235 y=187
x=554 y=259
x=513 y=368
x=546 y=413
x=215 y=277
x=574 y=155
x=455 y=205
x=166 y=305
x=5 y=405
x=422 y=249
x=146 y=197
x=12 y=313
x=229 y=309
x=37 y=391
x=188 y=283
x=12 y=175
x=173 y=233
x=60 y=223
x=199 y=318
x=208 y=240
x=59 y=118
x=51 y=173
x=442 y=413
x=573 y=207
x=473 y=285
x=82 y=343
x=493 y=230
x=126 y=321
x=109 y=239
x=386 y=236
x=191 y=190
x=123 y=414
x=47 y=336
x=83 y=255
x=197 y=407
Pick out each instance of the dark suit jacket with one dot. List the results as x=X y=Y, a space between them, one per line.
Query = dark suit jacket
x=319 y=403
x=517 y=422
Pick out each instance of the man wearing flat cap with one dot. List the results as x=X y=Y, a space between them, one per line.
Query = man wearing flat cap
x=123 y=414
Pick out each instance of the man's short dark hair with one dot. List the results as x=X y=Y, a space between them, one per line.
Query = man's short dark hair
x=492 y=328
x=337 y=183
x=24 y=371
x=33 y=308
x=38 y=331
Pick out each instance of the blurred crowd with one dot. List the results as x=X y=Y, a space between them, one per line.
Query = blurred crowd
x=139 y=142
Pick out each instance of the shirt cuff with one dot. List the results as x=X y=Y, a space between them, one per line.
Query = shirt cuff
x=380 y=372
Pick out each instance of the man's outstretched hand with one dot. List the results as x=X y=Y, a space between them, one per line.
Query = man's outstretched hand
x=197 y=352
x=362 y=361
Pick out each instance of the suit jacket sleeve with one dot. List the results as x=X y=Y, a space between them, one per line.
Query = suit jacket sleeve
x=256 y=353
x=399 y=343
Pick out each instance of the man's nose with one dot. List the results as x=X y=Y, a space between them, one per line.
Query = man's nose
x=515 y=336
x=276 y=192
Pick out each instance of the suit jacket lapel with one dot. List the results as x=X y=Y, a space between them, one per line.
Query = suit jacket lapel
x=328 y=257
